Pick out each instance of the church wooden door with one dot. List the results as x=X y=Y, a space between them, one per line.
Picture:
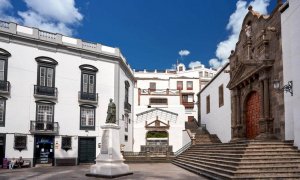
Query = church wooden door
x=252 y=115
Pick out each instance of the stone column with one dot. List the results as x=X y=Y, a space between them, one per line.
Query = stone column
x=238 y=113
x=266 y=98
x=262 y=123
x=234 y=113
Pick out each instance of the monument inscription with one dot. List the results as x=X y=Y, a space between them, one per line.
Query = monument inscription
x=105 y=139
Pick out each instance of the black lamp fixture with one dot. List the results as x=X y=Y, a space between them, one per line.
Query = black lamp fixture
x=286 y=88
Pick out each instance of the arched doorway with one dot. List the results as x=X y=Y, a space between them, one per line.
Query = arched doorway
x=252 y=115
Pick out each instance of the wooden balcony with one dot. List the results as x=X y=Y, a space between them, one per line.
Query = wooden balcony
x=45 y=92
x=42 y=127
x=4 y=87
x=85 y=97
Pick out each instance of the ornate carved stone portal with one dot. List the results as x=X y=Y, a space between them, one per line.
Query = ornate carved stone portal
x=257 y=110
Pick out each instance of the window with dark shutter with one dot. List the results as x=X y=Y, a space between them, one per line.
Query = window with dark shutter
x=20 y=142
x=66 y=143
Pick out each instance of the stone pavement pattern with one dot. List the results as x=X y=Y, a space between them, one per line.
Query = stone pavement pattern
x=141 y=171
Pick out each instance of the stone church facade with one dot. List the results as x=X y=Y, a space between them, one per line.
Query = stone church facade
x=257 y=108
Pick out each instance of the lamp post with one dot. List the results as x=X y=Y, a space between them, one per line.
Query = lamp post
x=287 y=88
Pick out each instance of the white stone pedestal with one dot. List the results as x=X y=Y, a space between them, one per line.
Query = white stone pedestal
x=110 y=162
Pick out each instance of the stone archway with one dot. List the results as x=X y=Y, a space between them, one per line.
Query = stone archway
x=252 y=114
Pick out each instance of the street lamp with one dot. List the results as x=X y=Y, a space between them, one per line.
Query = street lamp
x=286 y=88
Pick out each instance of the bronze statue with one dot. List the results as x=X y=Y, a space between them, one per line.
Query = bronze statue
x=111 y=112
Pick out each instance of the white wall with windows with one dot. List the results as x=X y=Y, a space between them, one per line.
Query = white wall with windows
x=59 y=92
x=216 y=113
x=174 y=91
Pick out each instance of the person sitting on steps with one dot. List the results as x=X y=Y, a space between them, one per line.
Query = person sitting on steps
x=20 y=162
x=12 y=163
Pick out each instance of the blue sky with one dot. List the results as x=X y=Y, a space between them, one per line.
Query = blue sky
x=150 y=33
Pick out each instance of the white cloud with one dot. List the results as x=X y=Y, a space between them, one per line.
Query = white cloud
x=184 y=52
x=5 y=10
x=63 y=11
x=194 y=64
x=234 y=26
x=59 y=16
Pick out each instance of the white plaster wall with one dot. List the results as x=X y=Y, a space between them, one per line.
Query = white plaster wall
x=129 y=143
x=175 y=131
x=25 y=153
x=218 y=121
x=21 y=106
x=290 y=51
x=185 y=138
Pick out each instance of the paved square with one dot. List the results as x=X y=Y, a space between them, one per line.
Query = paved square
x=141 y=171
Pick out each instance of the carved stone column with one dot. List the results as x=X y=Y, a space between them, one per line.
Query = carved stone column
x=234 y=113
x=238 y=113
x=262 y=122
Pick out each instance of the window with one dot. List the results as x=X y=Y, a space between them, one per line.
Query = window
x=152 y=86
x=4 y=84
x=127 y=85
x=2 y=69
x=66 y=143
x=179 y=85
x=180 y=68
x=221 y=95
x=187 y=98
x=158 y=101
x=126 y=123
x=88 y=82
x=46 y=76
x=44 y=115
x=2 y=111
x=206 y=74
x=45 y=112
x=189 y=85
x=211 y=75
x=126 y=138
x=201 y=74
x=46 y=71
x=207 y=104
x=20 y=142
x=87 y=117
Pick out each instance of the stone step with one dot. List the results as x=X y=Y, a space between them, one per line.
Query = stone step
x=216 y=154
x=210 y=167
x=216 y=160
x=278 y=166
x=203 y=171
x=279 y=173
x=232 y=159
x=214 y=164
x=270 y=159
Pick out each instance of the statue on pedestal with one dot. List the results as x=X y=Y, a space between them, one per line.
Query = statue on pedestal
x=111 y=112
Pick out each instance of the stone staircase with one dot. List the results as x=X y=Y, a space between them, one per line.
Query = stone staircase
x=243 y=160
x=202 y=136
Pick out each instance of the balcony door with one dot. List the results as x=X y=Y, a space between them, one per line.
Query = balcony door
x=46 y=76
x=88 y=83
x=44 y=117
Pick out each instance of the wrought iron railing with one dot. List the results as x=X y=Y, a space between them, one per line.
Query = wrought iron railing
x=88 y=96
x=5 y=86
x=45 y=91
x=4 y=25
x=160 y=92
x=184 y=148
x=44 y=127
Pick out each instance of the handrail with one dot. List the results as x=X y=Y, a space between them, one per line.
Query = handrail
x=184 y=148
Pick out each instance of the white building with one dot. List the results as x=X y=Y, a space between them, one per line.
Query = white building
x=290 y=15
x=216 y=106
x=54 y=95
x=164 y=101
